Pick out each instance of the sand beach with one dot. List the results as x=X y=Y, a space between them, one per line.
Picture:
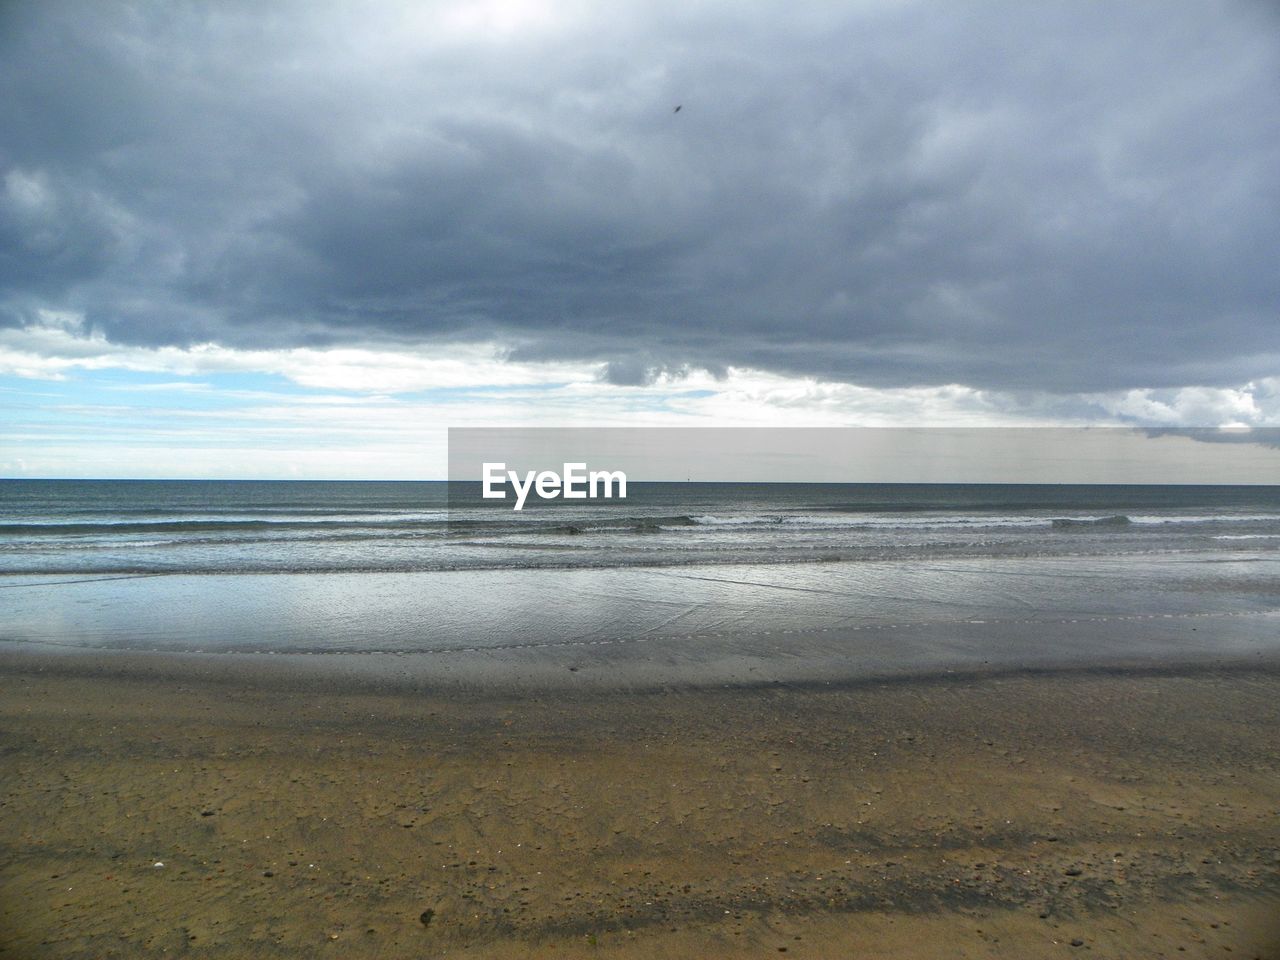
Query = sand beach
x=156 y=806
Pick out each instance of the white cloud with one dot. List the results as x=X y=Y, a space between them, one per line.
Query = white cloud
x=379 y=411
x=57 y=346
x=1252 y=404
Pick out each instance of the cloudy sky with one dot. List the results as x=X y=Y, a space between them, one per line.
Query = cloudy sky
x=302 y=239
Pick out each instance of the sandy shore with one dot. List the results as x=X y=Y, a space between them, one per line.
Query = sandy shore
x=1121 y=813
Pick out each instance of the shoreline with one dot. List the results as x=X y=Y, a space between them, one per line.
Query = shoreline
x=822 y=658
x=896 y=816
x=409 y=674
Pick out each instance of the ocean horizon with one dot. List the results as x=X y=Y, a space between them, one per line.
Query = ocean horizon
x=708 y=581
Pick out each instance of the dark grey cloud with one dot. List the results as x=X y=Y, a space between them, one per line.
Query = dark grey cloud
x=1264 y=436
x=1075 y=196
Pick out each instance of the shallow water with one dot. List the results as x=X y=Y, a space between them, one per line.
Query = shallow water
x=870 y=577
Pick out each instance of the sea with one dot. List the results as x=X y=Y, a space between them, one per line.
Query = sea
x=721 y=581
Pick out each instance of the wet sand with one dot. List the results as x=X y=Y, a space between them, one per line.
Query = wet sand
x=1026 y=814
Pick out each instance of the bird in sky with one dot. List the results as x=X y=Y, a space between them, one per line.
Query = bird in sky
x=677 y=109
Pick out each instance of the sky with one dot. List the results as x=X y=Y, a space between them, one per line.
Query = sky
x=303 y=239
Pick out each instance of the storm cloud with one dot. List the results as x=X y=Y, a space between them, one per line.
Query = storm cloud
x=1065 y=197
